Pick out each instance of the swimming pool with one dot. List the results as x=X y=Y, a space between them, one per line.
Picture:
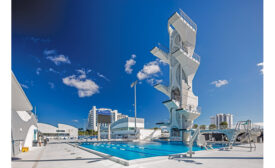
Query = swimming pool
x=138 y=150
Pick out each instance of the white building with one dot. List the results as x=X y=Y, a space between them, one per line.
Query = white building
x=60 y=132
x=125 y=129
x=92 y=118
x=222 y=118
x=23 y=121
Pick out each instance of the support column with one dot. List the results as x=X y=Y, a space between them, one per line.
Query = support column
x=109 y=131
x=98 y=131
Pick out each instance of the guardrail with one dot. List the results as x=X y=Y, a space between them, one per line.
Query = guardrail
x=196 y=57
x=187 y=19
x=191 y=109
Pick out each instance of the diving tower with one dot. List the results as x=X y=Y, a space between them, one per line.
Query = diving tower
x=183 y=64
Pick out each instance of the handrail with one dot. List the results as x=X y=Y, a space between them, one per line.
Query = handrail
x=196 y=57
x=193 y=110
x=188 y=19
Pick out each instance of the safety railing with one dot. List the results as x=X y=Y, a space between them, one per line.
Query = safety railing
x=192 y=109
x=196 y=57
x=188 y=20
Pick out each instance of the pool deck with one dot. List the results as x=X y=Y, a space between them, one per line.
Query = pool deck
x=67 y=156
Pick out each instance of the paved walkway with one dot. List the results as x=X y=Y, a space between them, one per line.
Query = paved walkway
x=66 y=156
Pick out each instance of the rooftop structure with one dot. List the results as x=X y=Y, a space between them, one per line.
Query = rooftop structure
x=183 y=62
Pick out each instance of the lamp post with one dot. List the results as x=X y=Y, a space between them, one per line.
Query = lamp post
x=134 y=84
x=84 y=123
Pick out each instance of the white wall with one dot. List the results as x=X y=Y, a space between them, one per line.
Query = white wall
x=69 y=129
x=147 y=134
x=30 y=137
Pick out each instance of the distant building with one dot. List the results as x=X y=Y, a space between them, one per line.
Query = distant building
x=123 y=128
x=60 y=132
x=92 y=118
x=222 y=118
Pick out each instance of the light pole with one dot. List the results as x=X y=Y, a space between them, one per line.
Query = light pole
x=84 y=121
x=134 y=84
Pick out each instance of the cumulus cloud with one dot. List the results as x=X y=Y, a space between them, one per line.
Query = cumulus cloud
x=148 y=70
x=261 y=64
x=219 y=83
x=51 y=85
x=82 y=73
x=38 y=71
x=129 y=64
x=56 y=58
x=86 y=87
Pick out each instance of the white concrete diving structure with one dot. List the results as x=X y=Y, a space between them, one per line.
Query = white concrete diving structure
x=183 y=64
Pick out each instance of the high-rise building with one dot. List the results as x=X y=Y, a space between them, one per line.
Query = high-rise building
x=92 y=118
x=222 y=118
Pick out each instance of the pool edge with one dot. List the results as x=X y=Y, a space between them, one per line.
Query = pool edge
x=104 y=155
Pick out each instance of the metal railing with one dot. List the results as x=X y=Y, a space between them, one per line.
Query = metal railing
x=192 y=109
x=187 y=19
x=196 y=57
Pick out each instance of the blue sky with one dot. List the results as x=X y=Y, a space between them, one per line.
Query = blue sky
x=71 y=55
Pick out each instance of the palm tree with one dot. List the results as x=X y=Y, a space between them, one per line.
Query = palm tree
x=224 y=125
x=212 y=126
x=202 y=127
x=195 y=126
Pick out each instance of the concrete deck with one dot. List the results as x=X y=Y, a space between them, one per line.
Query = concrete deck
x=67 y=156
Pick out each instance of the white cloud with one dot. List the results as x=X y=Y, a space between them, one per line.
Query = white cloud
x=51 y=85
x=76 y=121
x=49 y=52
x=129 y=64
x=153 y=81
x=86 y=87
x=148 y=70
x=24 y=86
x=57 y=59
x=261 y=64
x=38 y=71
x=102 y=76
x=219 y=83
x=82 y=73
x=52 y=70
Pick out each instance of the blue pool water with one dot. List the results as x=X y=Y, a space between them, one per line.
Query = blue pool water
x=138 y=150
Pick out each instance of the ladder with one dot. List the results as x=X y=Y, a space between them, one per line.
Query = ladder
x=196 y=133
x=236 y=132
x=247 y=132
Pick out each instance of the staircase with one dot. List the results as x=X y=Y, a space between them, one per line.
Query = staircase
x=247 y=133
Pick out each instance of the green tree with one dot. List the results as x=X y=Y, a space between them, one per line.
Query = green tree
x=223 y=125
x=195 y=126
x=212 y=126
x=202 y=127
